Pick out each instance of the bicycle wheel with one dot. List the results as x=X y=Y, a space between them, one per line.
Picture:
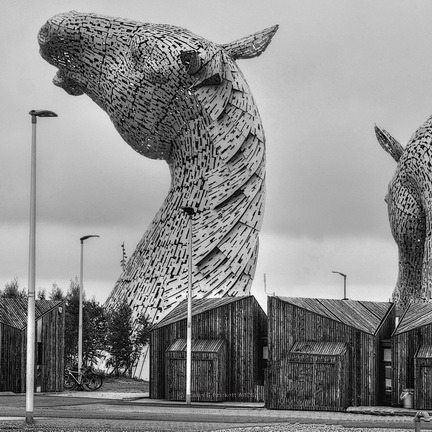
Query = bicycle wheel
x=69 y=383
x=98 y=381
x=92 y=382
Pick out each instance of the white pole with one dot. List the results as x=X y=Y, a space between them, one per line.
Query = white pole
x=31 y=318
x=80 y=314
x=31 y=324
x=189 y=322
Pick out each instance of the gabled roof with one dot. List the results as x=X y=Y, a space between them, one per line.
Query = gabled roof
x=13 y=311
x=416 y=315
x=198 y=306
x=363 y=315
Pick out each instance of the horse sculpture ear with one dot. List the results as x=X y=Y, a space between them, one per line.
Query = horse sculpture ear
x=388 y=143
x=212 y=73
x=251 y=46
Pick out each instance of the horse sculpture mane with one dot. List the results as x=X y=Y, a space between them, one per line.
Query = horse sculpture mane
x=175 y=96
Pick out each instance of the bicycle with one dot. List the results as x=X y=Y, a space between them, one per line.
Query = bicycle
x=89 y=380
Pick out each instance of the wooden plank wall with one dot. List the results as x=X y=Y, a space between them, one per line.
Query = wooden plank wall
x=23 y=354
x=53 y=326
x=404 y=348
x=241 y=323
x=288 y=324
x=10 y=358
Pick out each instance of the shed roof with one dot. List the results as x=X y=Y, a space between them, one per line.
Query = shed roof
x=425 y=351
x=198 y=306
x=319 y=348
x=198 y=345
x=416 y=315
x=13 y=311
x=363 y=315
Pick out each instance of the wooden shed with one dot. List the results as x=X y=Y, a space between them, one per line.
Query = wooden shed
x=317 y=376
x=49 y=345
x=326 y=354
x=239 y=323
x=412 y=355
x=209 y=370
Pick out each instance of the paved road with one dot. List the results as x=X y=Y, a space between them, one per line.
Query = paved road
x=148 y=414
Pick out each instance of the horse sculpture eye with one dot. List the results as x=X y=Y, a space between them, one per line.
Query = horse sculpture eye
x=191 y=61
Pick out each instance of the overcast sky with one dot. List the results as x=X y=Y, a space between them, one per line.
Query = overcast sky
x=333 y=70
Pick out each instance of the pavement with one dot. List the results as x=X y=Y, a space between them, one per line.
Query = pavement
x=88 y=410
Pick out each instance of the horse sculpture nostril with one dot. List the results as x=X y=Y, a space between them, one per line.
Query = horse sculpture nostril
x=44 y=34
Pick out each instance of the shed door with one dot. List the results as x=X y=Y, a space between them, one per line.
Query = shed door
x=313 y=385
x=424 y=392
x=176 y=379
x=203 y=380
x=204 y=385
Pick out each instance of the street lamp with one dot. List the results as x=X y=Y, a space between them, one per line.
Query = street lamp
x=344 y=276
x=31 y=318
x=190 y=212
x=80 y=313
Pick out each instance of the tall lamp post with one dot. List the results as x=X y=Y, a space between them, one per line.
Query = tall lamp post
x=31 y=318
x=80 y=313
x=190 y=212
x=344 y=276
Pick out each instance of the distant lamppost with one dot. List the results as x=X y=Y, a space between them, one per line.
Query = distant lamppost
x=80 y=313
x=344 y=276
x=31 y=318
x=190 y=212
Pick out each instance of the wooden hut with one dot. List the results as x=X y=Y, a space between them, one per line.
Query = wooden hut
x=227 y=352
x=49 y=345
x=412 y=355
x=325 y=354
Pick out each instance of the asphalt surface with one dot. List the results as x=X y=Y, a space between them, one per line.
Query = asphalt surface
x=102 y=411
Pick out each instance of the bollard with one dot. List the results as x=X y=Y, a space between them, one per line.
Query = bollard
x=418 y=417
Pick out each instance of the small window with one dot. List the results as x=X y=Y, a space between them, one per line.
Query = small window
x=39 y=354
